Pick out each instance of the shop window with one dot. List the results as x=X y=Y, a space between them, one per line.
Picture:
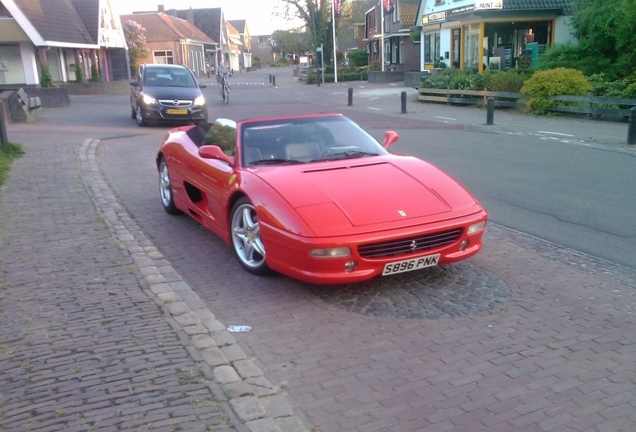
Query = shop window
x=472 y=54
x=431 y=47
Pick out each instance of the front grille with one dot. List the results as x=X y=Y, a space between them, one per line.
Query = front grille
x=408 y=245
x=175 y=103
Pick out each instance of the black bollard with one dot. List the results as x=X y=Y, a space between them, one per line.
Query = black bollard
x=403 y=99
x=350 y=96
x=490 y=110
x=631 y=129
x=3 y=126
x=274 y=80
x=270 y=78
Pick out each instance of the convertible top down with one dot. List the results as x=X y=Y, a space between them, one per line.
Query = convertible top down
x=317 y=198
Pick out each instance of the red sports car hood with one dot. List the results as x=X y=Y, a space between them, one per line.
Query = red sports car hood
x=398 y=191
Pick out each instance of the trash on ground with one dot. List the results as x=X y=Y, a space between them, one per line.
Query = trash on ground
x=239 y=328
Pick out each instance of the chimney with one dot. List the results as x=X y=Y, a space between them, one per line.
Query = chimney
x=161 y=9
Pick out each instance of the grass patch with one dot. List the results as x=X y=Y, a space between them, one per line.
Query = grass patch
x=8 y=152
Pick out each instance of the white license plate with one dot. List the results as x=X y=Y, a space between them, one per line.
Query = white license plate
x=410 y=265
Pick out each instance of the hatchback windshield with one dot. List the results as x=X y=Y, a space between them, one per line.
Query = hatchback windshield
x=159 y=77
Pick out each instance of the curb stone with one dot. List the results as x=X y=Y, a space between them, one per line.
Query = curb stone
x=261 y=411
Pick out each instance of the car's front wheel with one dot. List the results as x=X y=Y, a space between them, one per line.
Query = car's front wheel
x=246 y=237
x=139 y=116
x=165 y=188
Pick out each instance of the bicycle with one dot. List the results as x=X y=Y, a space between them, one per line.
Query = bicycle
x=226 y=90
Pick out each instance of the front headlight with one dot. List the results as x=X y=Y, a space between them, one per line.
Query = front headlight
x=335 y=252
x=149 y=100
x=199 y=101
x=476 y=227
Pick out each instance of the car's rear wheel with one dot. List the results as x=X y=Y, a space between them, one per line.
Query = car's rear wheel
x=139 y=116
x=246 y=237
x=165 y=188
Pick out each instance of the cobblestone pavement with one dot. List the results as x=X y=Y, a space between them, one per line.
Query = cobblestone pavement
x=99 y=332
x=105 y=328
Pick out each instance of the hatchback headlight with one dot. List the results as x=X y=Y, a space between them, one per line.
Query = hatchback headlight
x=476 y=227
x=335 y=252
x=199 y=101
x=149 y=100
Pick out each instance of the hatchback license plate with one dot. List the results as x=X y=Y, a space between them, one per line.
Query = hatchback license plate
x=176 y=111
x=410 y=264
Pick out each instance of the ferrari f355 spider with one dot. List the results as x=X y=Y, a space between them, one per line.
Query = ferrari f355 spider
x=316 y=198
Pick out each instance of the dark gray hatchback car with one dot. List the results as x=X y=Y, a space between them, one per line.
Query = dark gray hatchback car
x=164 y=93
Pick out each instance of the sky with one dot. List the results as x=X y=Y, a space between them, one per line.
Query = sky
x=260 y=14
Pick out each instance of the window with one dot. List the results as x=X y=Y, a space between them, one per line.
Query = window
x=431 y=47
x=163 y=57
x=472 y=55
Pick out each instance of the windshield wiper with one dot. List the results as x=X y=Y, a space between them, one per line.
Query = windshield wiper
x=275 y=161
x=349 y=154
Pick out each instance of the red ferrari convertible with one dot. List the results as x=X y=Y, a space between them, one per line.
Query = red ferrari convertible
x=316 y=198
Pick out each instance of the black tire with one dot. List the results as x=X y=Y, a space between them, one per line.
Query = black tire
x=246 y=238
x=139 y=116
x=165 y=189
x=226 y=95
x=133 y=114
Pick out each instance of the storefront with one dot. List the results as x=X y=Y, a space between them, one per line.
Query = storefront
x=485 y=35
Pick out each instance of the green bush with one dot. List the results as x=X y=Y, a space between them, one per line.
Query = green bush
x=349 y=76
x=358 y=58
x=553 y=82
x=95 y=74
x=454 y=79
x=510 y=80
x=79 y=74
x=8 y=152
x=45 y=79
x=375 y=66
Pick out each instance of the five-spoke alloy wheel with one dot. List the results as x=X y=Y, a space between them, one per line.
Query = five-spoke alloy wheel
x=246 y=237
x=165 y=188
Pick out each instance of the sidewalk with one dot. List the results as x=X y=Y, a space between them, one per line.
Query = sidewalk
x=99 y=331
x=386 y=99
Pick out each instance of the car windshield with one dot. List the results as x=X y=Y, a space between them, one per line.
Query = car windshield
x=305 y=140
x=163 y=77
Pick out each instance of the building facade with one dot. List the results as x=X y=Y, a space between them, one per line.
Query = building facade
x=172 y=40
x=480 y=35
x=63 y=37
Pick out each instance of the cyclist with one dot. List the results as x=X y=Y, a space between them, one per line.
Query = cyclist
x=221 y=75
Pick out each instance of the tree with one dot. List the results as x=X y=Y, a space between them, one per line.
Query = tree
x=285 y=42
x=316 y=14
x=135 y=36
x=606 y=39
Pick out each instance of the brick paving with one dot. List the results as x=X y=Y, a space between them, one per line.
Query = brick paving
x=555 y=351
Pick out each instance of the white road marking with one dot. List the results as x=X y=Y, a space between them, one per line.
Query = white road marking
x=555 y=133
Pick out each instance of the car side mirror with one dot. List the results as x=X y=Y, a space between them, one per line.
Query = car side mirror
x=389 y=138
x=134 y=83
x=203 y=85
x=215 y=152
